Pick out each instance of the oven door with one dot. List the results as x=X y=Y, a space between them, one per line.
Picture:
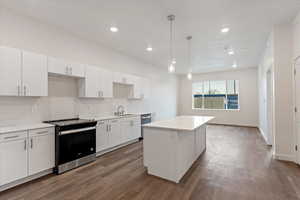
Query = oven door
x=75 y=144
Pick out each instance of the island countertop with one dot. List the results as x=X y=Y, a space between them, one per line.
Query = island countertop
x=183 y=123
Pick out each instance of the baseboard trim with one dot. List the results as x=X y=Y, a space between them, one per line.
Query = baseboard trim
x=246 y=126
x=284 y=157
x=25 y=180
x=100 y=153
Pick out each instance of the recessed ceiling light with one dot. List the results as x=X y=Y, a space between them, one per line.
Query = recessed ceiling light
x=230 y=52
x=225 y=30
x=189 y=76
x=114 y=29
x=149 y=49
x=171 y=68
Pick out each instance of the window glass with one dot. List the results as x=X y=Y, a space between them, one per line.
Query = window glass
x=197 y=94
x=220 y=94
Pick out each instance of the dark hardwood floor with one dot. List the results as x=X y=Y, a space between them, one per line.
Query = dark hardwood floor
x=236 y=165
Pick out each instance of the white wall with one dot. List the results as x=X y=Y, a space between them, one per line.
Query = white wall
x=29 y=34
x=279 y=56
x=266 y=64
x=248 y=113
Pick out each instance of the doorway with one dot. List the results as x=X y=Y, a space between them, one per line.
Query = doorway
x=269 y=106
x=297 y=106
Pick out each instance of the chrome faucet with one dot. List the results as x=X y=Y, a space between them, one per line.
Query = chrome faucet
x=120 y=110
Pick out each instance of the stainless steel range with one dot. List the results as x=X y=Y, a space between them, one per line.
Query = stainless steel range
x=75 y=143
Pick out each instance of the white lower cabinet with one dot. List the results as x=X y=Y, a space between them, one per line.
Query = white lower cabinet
x=26 y=153
x=41 y=150
x=102 y=141
x=111 y=133
x=13 y=157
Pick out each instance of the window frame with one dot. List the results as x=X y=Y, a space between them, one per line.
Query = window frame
x=212 y=109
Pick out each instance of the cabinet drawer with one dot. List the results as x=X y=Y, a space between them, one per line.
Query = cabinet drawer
x=42 y=131
x=13 y=136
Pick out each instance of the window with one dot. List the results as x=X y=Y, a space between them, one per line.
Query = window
x=221 y=94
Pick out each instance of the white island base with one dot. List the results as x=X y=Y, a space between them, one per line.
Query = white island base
x=171 y=147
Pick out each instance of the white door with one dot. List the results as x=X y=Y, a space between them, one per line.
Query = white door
x=115 y=135
x=13 y=157
x=10 y=71
x=41 y=150
x=297 y=105
x=76 y=70
x=102 y=136
x=57 y=66
x=35 y=74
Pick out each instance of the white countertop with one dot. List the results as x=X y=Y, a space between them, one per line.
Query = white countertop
x=23 y=127
x=184 y=123
x=102 y=118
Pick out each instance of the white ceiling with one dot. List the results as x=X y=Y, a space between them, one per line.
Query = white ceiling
x=143 y=22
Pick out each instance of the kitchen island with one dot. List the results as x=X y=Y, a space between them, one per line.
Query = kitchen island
x=172 y=146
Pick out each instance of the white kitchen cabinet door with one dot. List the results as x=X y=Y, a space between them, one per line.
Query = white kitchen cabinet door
x=10 y=71
x=41 y=150
x=57 y=66
x=115 y=135
x=89 y=87
x=126 y=130
x=106 y=83
x=136 y=129
x=13 y=158
x=35 y=74
x=76 y=70
x=145 y=88
x=102 y=136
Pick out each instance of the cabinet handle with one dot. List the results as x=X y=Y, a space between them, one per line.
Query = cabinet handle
x=31 y=143
x=42 y=132
x=25 y=90
x=109 y=128
x=19 y=90
x=25 y=144
x=11 y=137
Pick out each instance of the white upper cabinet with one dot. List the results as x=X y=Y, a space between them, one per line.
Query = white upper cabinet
x=61 y=67
x=123 y=78
x=10 y=71
x=35 y=74
x=97 y=83
x=22 y=73
x=140 y=89
x=106 y=83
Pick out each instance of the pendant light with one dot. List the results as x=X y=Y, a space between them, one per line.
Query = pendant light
x=172 y=61
x=189 y=75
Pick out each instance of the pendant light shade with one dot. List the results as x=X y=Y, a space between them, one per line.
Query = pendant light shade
x=172 y=61
x=189 y=75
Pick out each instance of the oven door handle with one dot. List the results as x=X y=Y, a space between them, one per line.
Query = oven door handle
x=76 y=130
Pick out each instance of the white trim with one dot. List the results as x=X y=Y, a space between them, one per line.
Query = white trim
x=264 y=136
x=284 y=157
x=26 y=179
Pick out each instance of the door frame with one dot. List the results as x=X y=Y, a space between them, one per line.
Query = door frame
x=270 y=100
x=295 y=134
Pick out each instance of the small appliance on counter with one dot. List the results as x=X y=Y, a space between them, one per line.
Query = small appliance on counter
x=75 y=143
x=146 y=118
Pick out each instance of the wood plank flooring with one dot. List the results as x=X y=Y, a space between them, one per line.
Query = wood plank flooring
x=236 y=165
